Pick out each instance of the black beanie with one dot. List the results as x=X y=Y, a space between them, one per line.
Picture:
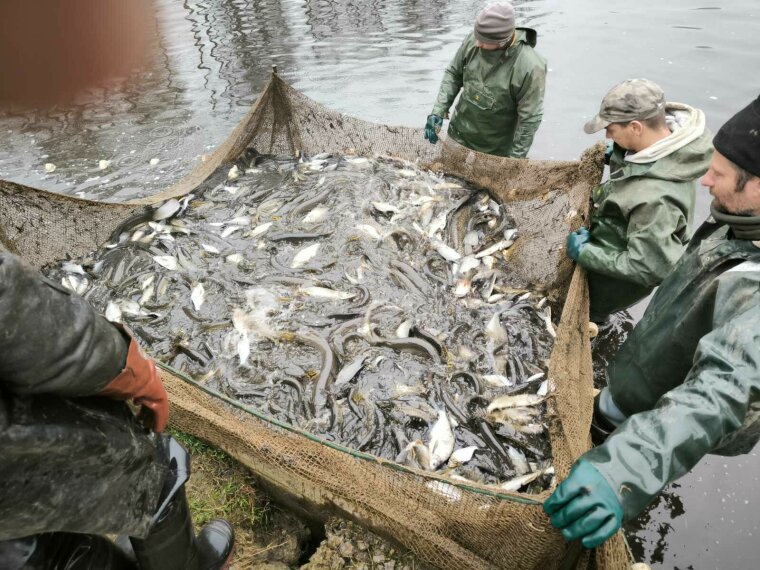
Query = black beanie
x=739 y=139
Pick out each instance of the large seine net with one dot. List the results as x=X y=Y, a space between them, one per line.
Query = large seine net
x=446 y=523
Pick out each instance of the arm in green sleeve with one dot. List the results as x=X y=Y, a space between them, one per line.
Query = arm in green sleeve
x=652 y=248
x=654 y=448
x=452 y=83
x=530 y=110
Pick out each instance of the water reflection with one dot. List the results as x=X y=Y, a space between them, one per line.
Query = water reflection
x=647 y=535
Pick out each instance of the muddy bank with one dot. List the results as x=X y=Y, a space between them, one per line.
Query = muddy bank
x=269 y=537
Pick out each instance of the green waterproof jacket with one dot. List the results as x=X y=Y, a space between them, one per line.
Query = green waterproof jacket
x=688 y=376
x=641 y=221
x=502 y=99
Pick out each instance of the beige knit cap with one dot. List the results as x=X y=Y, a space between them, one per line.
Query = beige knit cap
x=496 y=23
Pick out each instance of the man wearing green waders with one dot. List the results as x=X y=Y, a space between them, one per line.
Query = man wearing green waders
x=687 y=380
x=501 y=79
x=643 y=214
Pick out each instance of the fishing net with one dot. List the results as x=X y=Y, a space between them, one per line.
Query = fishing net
x=448 y=523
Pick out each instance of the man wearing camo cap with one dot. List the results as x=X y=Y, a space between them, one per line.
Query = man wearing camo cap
x=642 y=216
x=502 y=80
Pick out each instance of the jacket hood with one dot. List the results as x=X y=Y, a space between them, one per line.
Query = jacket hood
x=527 y=36
x=684 y=154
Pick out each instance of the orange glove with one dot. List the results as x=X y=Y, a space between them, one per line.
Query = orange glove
x=139 y=381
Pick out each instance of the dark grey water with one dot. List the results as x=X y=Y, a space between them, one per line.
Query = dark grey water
x=383 y=61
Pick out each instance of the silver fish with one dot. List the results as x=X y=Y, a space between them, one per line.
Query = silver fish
x=441 y=444
x=316 y=215
x=415 y=455
x=504 y=244
x=198 y=296
x=371 y=231
x=462 y=455
x=167 y=261
x=445 y=251
x=304 y=256
x=113 y=312
x=259 y=230
x=325 y=293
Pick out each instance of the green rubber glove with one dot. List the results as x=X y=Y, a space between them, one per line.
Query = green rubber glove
x=433 y=127
x=576 y=241
x=608 y=150
x=585 y=506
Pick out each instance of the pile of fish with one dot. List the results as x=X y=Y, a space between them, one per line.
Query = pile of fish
x=367 y=301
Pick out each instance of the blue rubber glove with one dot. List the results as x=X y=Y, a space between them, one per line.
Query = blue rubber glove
x=585 y=506
x=576 y=241
x=433 y=127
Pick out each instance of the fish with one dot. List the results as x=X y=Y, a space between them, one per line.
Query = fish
x=437 y=224
x=462 y=455
x=259 y=230
x=75 y=284
x=504 y=244
x=445 y=251
x=371 y=231
x=385 y=208
x=462 y=288
x=70 y=267
x=497 y=380
x=415 y=455
x=467 y=264
x=198 y=296
x=229 y=230
x=243 y=349
x=166 y=210
x=515 y=401
x=316 y=215
x=210 y=248
x=518 y=460
x=325 y=293
x=304 y=256
x=113 y=312
x=547 y=318
x=350 y=370
x=403 y=329
x=522 y=480
x=495 y=331
x=441 y=444
x=167 y=261
x=146 y=294
x=234 y=258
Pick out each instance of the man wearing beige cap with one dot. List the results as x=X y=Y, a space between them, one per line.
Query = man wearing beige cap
x=501 y=78
x=642 y=215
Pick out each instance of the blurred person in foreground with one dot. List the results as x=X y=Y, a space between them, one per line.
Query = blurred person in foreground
x=642 y=216
x=687 y=380
x=75 y=462
x=501 y=79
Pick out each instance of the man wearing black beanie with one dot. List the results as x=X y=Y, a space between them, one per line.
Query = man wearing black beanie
x=687 y=380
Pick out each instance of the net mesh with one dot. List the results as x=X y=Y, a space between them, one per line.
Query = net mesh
x=446 y=523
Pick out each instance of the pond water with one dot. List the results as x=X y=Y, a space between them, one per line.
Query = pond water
x=383 y=61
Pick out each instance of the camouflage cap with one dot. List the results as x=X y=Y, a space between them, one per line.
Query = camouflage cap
x=631 y=100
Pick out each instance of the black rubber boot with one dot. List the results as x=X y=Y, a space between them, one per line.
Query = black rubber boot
x=171 y=543
x=601 y=427
x=69 y=551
